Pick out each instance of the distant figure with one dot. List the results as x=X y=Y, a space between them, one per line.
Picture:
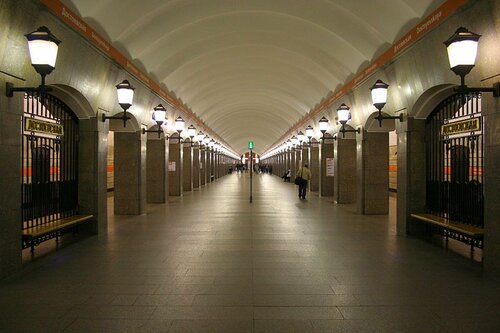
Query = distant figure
x=287 y=175
x=305 y=174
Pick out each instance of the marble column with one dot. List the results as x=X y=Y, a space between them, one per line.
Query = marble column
x=10 y=196
x=293 y=164
x=175 y=159
x=326 y=178
x=372 y=173
x=196 y=166
x=187 y=166
x=156 y=169
x=203 y=166
x=130 y=173
x=491 y=113
x=345 y=170
x=314 y=165
x=411 y=174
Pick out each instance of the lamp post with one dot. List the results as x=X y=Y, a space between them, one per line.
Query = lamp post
x=43 y=47
x=159 y=115
x=462 y=52
x=379 y=98
x=125 y=93
x=344 y=115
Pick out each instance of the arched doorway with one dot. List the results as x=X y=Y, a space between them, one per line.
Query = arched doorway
x=454 y=160
x=49 y=161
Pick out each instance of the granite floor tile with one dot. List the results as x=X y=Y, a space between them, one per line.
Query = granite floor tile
x=212 y=262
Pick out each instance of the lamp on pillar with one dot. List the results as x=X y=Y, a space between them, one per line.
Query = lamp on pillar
x=191 y=133
x=323 y=127
x=199 y=138
x=462 y=52
x=125 y=93
x=379 y=98
x=179 y=125
x=309 y=133
x=301 y=137
x=159 y=115
x=206 y=140
x=43 y=47
x=344 y=115
x=294 y=141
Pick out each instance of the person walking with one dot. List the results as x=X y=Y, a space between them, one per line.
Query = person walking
x=305 y=174
x=287 y=175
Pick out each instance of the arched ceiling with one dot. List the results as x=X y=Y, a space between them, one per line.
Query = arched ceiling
x=250 y=69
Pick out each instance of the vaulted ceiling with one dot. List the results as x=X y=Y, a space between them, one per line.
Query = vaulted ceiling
x=252 y=68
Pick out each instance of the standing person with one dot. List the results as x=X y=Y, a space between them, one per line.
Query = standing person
x=305 y=174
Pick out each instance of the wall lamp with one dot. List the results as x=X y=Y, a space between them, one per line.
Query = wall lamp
x=302 y=139
x=323 y=127
x=43 y=47
x=199 y=138
x=310 y=133
x=344 y=115
x=191 y=133
x=159 y=115
x=462 y=51
x=379 y=98
x=125 y=92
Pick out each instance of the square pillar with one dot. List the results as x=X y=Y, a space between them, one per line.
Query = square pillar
x=203 y=166
x=10 y=182
x=156 y=169
x=345 y=170
x=130 y=173
x=373 y=172
x=314 y=165
x=175 y=178
x=293 y=164
x=187 y=166
x=92 y=173
x=196 y=166
x=326 y=157
x=411 y=174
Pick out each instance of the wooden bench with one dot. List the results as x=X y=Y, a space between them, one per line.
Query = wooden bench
x=468 y=234
x=34 y=235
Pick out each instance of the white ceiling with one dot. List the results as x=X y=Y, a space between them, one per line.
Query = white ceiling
x=252 y=68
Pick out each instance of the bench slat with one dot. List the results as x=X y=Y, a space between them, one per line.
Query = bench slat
x=451 y=225
x=55 y=225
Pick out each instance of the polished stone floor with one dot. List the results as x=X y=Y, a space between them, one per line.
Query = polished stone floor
x=212 y=262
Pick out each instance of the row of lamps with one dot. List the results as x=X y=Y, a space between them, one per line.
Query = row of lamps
x=462 y=51
x=43 y=47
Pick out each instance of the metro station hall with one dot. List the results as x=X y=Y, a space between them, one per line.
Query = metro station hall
x=254 y=166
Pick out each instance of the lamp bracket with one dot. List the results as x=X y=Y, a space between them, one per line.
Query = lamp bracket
x=381 y=117
x=495 y=89
x=10 y=89
x=124 y=117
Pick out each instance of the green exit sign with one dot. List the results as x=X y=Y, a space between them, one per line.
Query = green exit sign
x=250 y=144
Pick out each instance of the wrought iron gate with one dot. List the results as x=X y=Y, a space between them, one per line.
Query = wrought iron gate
x=49 y=161
x=454 y=133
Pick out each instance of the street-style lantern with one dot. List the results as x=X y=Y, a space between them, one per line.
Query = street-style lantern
x=344 y=115
x=199 y=137
x=191 y=132
x=301 y=137
x=462 y=52
x=309 y=132
x=379 y=99
x=125 y=94
x=323 y=125
x=294 y=140
x=43 y=47
x=159 y=116
x=179 y=125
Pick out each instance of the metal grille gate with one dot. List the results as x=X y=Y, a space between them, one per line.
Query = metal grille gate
x=454 y=133
x=49 y=161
